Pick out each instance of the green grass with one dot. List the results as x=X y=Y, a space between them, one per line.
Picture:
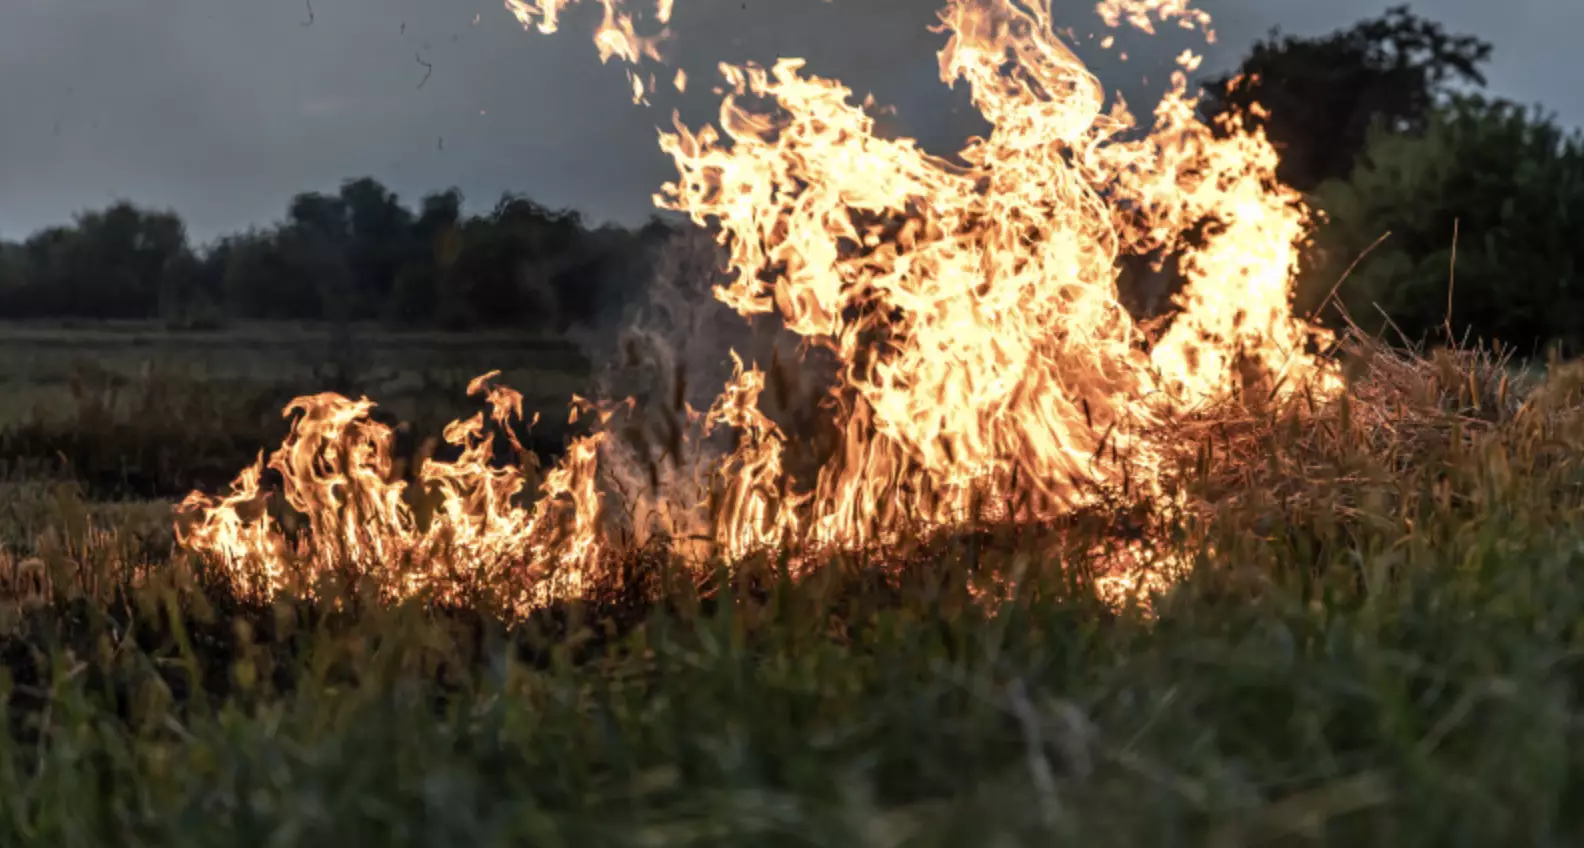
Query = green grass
x=1381 y=642
x=1441 y=712
x=133 y=410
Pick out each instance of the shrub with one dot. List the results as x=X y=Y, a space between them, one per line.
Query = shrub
x=1499 y=188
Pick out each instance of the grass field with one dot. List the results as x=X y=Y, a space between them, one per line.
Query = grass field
x=134 y=411
x=1381 y=641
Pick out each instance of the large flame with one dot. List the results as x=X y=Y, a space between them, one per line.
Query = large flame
x=985 y=359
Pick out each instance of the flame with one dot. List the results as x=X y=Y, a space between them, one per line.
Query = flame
x=974 y=307
x=1139 y=14
x=616 y=37
x=987 y=366
x=336 y=468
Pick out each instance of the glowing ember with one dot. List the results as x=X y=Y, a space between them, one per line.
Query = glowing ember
x=987 y=366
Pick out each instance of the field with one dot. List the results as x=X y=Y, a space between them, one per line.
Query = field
x=1379 y=640
x=138 y=412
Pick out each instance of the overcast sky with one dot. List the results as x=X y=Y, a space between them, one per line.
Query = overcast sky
x=222 y=109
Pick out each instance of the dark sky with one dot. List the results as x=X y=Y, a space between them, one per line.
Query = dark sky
x=222 y=109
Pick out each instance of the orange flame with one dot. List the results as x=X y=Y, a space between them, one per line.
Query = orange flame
x=336 y=468
x=616 y=37
x=987 y=365
x=1138 y=14
x=975 y=309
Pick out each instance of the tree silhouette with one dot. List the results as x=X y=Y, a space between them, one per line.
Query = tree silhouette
x=1321 y=96
x=119 y=262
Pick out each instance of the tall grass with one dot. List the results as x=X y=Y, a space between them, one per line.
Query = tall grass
x=1378 y=642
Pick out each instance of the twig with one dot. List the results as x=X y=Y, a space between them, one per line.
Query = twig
x=309 y=22
x=1306 y=813
x=1393 y=325
x=1349 y=272
x=428 y=70
x=1451 y=281
x=1293 y=354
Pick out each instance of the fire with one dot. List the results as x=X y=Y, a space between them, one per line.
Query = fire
x=617 y=36
x=986 y=363
x=336 y=468
x=1137 y=13
x=974 y=308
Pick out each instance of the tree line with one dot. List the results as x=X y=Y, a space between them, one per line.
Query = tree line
x=1383 y=126
x=358 y=254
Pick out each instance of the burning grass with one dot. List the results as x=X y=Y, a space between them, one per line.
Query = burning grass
x=1357 y=468
x=982 y=361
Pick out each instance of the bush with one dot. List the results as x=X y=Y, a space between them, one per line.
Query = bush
x=1498 y=187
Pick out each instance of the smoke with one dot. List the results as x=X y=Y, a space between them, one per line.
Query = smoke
x=659 y=370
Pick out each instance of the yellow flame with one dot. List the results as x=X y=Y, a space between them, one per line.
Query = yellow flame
x=1141 y=14
x=616 y=37
x=975 y=309
x=336 y=468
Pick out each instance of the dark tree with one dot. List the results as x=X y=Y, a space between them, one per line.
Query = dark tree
x=121 y=262
x=318 y=214
x=13 y=278
x=508 y=261
x=315 y=247
x=354 y=255
x=1321 y=96
x=378 y=229
x=439 y=220
x=270 y=274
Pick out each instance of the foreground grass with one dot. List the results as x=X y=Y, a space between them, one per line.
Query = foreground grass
x=1440 y=711
x=1439 y=707
x=1381 y=642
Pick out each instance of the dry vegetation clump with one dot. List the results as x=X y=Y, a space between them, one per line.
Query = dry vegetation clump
x=1418 y=456
x=142 y=435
